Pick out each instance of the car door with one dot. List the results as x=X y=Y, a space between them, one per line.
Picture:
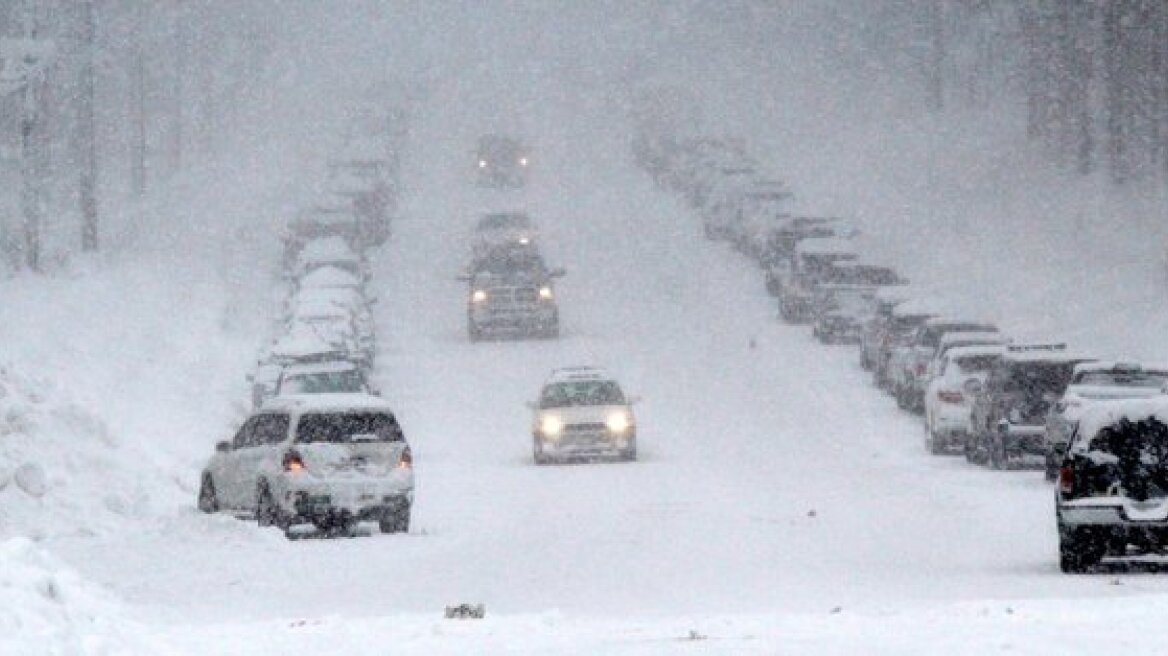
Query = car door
x=227 y=478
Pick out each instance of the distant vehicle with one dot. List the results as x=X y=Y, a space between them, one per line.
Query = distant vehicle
x=502 y=161
x=331 y=251
x=1111 y=498
x=1009 y=411
x=839 y=311
x=1091 y=383
x=721 y=204
x=512 y=302
x=778 y=257
x=873 y=329
x=315 y=463
x=582 y=413
x=501 y=230
x=812 y=266
x=949 y=395
x=893 y=337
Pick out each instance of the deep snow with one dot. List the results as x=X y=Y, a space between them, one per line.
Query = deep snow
x=782 y=505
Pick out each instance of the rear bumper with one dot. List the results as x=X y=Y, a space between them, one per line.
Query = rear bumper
x=597 y=445
x=1110 y=515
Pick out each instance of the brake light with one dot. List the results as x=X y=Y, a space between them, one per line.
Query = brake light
x=949 y=396
x=1066 y=479
x=293 y=462
x=406 y=460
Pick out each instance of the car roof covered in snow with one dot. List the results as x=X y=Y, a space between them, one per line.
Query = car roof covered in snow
x=1104 y=413
x=329 y=276
x=1043 y=352
x=975 y=350
x=578 y=373
x=944 y=320
x=973 y=337
x=327 y=366
x=328 y=403
x=327 y=249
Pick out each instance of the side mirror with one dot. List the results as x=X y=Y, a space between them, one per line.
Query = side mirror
x=223 y=446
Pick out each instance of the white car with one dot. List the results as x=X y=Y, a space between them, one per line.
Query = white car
x=333 y=377
x=582 y=413
x=948 y=408
x=315 y=463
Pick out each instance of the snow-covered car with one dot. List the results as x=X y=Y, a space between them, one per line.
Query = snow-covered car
x=1010 y=410
x=502 y=161
x=334 y=377
x=500 y=230
x=315 y=462
x=1092 y=382
x=813 y=260
x=722 y=203
x=582 y=413
x=329 y=251
x=892 y=339
x=1111 y=499
x=839 y=311
x=949 y=395
x=872 y=331
x=911 y=371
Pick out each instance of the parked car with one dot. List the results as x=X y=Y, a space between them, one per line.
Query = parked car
x=721 y=203
x=320 y=462
x=911 y=372
x=884 y=301
x=582 y=413
x=331 y=252
x=839 y=312
x=333 y=377
x=1111 y=498
x=814 y=259
x=949 y=395
x=895 y=336
x=1092 y=382
x=1009 y=411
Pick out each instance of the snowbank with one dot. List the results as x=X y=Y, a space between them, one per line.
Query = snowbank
x=45 y=608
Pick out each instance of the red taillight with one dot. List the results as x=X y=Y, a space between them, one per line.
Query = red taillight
x=949 y=396
x=1066 y=479
x=293 y=462
x=406 y=460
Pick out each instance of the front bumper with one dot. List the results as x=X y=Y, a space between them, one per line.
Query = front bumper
x=586 y=444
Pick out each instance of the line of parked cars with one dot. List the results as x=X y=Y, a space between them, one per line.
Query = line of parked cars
x=1099 y=428
x=321 y=453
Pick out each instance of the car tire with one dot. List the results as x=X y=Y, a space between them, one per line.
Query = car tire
x=972 y=451
x=208 y=500
x=395 y=521
x=630 y=452
x=1078 y=550
x=266 y=511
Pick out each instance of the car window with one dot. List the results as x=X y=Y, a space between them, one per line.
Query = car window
x=348 y=427
x=243 y=437
x=270 y=429
x=581 y=393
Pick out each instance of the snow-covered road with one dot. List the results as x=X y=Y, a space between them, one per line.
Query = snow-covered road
x=774 y=479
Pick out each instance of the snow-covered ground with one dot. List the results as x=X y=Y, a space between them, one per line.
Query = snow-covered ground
x=781 y=504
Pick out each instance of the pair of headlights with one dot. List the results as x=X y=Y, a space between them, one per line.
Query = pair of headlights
x=552 y=426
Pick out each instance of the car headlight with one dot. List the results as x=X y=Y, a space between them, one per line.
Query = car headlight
x=478 y=296
x=522 y=161
x=482 y=163
x=545 y=293
x=618 y=422
x=551 y=426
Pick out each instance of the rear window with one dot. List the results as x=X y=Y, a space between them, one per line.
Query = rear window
x=977 y=362
x=348 y=427
x=581 y=393
x=323 y=382
x=1130 y=458
x=1035 y=377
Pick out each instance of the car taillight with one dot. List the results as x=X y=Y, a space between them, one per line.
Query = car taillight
x=406 y=460
x=949 y=396
x=1066 y=479
x=293 y=462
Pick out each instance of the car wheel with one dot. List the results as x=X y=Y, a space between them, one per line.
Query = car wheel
x=1078 y=550
x=395 y=520
x=630 y=452
x=972 y=449
x=265 y=507
x=208 y=501
x=537 y=453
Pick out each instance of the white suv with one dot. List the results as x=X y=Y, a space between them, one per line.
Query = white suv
x=319 y=462
x=582 y=413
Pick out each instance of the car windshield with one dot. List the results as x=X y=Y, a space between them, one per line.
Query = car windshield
x=577 y=393
x=323 y=382
x=347 y=427
x=1123 y=379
